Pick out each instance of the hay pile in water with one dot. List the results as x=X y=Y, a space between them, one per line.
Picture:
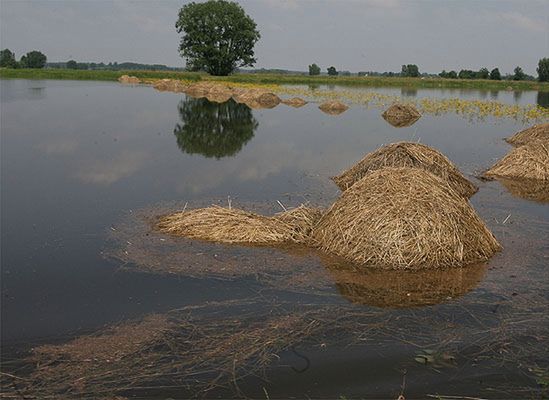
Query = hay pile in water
x=333 y=107
x=219 y=93
x=530 y=161
x=200 y=89
x=230 y=225
x=404 y=218
x=527 y=135
x=405 y=154
x=132 y=80
x=256 y=98
x=401 y=115
x=294 y=102
x=170 y=85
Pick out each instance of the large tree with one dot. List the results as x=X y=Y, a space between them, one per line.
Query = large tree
x=218 y=36
x=314 y=69
x=495 y=75
x=332 y=71
x=33 y=59
x=519 y=74
x=543 y=70
x=7 y=59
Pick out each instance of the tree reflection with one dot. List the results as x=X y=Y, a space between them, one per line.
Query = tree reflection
x=213 y=129
x=543 y=99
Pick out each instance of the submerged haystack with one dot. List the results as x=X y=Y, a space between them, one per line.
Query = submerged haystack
x=530 y=161
x=401 y=115
x=404 y=218
x=256 y=97
x=132 y=80
x=405 y=154
x=294 y=102
x=230 y=225
x=333 y=107
x=527 y=135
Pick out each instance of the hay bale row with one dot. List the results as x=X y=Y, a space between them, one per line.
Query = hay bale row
x=527 y=135
x=404 y=218
x=530 y=161
x=230 y=225
x=412 y=155
x=131 y=80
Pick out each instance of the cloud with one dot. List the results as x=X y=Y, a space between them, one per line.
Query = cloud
x=104 y=172
x=521 y=21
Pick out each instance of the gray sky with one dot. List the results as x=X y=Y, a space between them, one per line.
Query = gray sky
x=355 y=35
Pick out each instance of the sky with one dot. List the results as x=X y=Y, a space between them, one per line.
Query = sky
x=354 y=35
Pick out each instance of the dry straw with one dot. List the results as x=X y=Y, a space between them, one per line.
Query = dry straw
x=530 y=161
x=406 y=154
x=295 y=102
x=256 y=97
x=404 y=218
x=132 y=80
x=333 y=107
x=230 y=225
x=527 y=135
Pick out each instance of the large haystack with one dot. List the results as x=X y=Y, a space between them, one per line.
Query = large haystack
x=404 y=218
x=219 y=93
x=403 y=289
x=412 y=155
x=333 y=107
x=529 y=134
x=229 y=225
x=131 y=80
x=530 y=161
x=295 y=102
x=256 y=98
x=401 y=115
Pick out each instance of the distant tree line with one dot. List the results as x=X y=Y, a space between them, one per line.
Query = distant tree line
x=112 y=66
x=33 y=59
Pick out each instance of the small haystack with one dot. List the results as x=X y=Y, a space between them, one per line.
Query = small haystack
x=530 y=161
x=413 y=155
x=404 y=218
x=170 y=85
x=131 y=80
x=333 y=107
x=295 y=102
x=527 y=135
x=229 y=225
x=401 y=115
x=256 y=98
x=200 y=89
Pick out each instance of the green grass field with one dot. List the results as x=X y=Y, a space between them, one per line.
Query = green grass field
x=278 y=79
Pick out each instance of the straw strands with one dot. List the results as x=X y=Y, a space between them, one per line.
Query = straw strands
x=404 y=154
x=404 y=218
x=333 y=107
x=527 y=135
x=530 y=161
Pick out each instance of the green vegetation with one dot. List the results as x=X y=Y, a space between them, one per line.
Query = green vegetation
x=314 y=69
x=7 y=59
x=543 y=70
x=281 y=79
x=410 y=71
x=218 y=37
x=495 y=75
x=33 y=59
x=332 y=71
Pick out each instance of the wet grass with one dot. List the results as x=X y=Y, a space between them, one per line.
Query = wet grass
x=281 y=79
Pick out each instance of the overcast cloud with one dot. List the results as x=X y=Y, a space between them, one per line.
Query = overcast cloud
x=355 y=35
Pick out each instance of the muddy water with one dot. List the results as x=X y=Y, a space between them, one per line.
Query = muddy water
x=84 y=162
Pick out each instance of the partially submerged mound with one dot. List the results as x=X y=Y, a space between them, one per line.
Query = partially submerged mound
x=404 y=218
x=401 y=115
x=333 y=107
x=529 y=134
x=256 y=98
x=405 y=154
x=294 y=102
x=171 y=85
x=530 y=161
x=229 y=225
x=200 y=89
x=132 y=80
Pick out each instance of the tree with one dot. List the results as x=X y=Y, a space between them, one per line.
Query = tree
x=483 y=73
x=410 y=70
x=314 y=69
x=71 y=64
x=33 y=59
x=218 y=36
x=7 y=59
x=332 y=71
x=519 y=74
x=543 y=70
x=452 y=74
x=495 y=75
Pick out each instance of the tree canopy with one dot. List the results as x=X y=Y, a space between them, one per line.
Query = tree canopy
x=543 y=70
x=7 y=59
x=495 y=74
x=332 y=71
x=218 y=36
x=519 y=74
x=314 y=69
x=33 y=59
x=410 y=70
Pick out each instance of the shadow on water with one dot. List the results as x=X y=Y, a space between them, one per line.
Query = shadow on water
x=543 y=99
x=213 y=129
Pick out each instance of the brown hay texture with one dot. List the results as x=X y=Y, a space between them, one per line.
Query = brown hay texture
x=230 y=225
x=527 y=135
x=170 y=85
x=400 y=122
x=132 y=80
x=295 y=102
x=411 y=155
x=530 y=161
x=399 y=111
x=404 y=218
x=201 y=89
x=333 y=107
x=256 y=97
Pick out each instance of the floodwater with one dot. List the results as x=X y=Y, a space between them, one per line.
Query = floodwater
x=82 y=163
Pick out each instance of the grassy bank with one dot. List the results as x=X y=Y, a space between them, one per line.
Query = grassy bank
x=278 y=79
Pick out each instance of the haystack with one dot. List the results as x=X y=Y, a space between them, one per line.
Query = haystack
x=294 y=102
x=199 y=89
x=404 y=218
x=219 y=93
x=256 y=98
x=401 y=115
x=412 y=155
x=530 y=161
x=403 y=289
x=333 y=107
x=229 y=225
x=132 y=80
x=529 y=134
x=171 y=85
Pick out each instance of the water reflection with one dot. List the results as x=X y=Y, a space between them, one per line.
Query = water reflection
x=408 y=92
x=543 y=99
x=529 y=189
x=213 y=129
x=517 y=94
